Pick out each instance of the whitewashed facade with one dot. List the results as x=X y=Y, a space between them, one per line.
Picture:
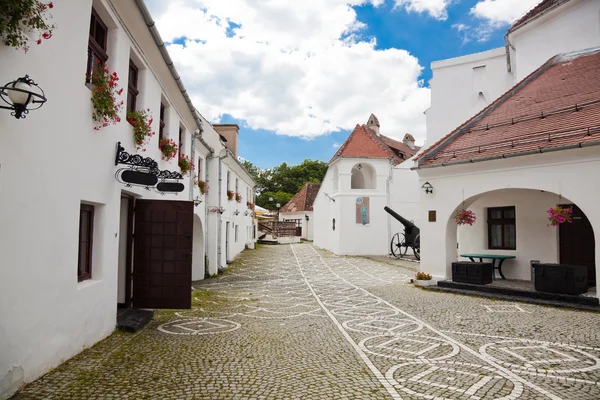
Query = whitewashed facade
x=53 y=162
x=529 y=182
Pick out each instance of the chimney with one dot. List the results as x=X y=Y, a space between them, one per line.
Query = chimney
x=409 y=140
x=373 y=123
x=230 y=132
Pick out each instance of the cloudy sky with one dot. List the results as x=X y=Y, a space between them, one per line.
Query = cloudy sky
x=298 y=75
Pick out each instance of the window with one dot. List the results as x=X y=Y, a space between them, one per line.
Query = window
x=132 y=87
x=181 y=140
x=97 y=43
x=502 y=228
x=228 y=180
x=363 y=177
x=236 y=233
x=237 y=185
x=86 y=230
x=200 y=168
x=161 y=125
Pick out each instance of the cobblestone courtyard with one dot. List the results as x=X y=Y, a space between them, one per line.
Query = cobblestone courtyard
x=293 y=322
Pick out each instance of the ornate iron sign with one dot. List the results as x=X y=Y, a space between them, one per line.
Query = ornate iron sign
x=144 y=172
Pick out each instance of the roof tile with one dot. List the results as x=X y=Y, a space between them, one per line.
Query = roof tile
x=303 y=200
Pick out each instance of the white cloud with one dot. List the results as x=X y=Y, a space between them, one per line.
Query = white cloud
x=438 y=9
x=296 y=68
x=491 y=15
x=336 y=145
x=502 y=12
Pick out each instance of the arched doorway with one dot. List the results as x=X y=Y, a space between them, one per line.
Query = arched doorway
x=513 y=222
x=198 y=250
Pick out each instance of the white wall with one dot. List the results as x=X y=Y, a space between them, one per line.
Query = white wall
x=325 y=211
x=573 y=26
x=405 y=193
x=553 y=172
x=52 y=161
x=455 y=89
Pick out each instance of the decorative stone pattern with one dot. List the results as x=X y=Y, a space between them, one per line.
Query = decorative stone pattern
x=294 y=322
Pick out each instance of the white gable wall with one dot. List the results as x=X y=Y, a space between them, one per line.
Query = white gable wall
x=575 y=25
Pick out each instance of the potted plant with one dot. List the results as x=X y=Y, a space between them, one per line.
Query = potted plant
x=423 y=279
x=230 y=195
x=560 y=215
x=20 y=18
x=104 y=97
x=203 y=186
x=141 y=122
x=185 y=164
x=238 y=197
x=168 y=148
x=465 y=217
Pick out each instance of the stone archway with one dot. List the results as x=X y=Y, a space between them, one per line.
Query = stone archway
x=198 y=250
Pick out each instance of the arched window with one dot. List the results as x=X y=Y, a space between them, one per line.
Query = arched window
x=363 y=177
x=336 y=179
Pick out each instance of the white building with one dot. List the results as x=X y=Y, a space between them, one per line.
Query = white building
x=67 y=223
x=368 y=172
x=530 y=149
x=300 y=209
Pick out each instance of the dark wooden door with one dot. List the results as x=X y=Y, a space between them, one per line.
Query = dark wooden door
x=162 y=254
x=577 y=244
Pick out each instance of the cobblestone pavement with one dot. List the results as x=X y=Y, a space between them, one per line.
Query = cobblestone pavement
x=294 y=322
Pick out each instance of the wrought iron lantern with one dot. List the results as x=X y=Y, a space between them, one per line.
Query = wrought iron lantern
x=197 y=201
x=21 y=93
x=427 y=187
x=236 y=212
x=246 y=213
x=306 y=216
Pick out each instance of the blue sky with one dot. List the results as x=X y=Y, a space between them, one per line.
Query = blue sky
x=424 y=37
x=311 y=73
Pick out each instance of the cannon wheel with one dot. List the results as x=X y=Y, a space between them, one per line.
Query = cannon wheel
x=417 y=247
x=398 y=245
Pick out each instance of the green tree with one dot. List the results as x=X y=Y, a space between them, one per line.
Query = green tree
x=283 y=181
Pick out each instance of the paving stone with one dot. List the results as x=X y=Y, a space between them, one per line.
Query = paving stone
x=296 y=322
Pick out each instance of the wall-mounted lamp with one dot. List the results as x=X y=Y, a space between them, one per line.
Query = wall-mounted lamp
x=21 y=93
x=359 y=166
x=427 y=187
x=221 y=210
x=246 y=213
x=236 y=212
x=197 y=201
x=306 y=216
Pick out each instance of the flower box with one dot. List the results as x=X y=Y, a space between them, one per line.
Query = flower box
x=424 y=283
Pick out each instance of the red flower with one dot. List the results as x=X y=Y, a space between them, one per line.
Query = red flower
x=39 y=41
x=50 y=5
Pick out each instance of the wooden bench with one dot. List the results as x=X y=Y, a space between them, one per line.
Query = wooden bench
x=492 y=257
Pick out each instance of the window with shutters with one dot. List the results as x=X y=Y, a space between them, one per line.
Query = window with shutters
x=86 y=233
x=132 y=87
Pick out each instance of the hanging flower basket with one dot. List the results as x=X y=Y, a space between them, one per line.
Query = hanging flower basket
x=230 y=195
x=250 y=205
x=238 y=197
x=185 y=164
x=22 y=18
x=465 y=217
x=203 y=186
x=560 y=215
x=142 y=127
x=104 y=97
x=168 y=148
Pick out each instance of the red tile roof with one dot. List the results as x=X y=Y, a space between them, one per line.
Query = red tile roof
x=556 y=105
x=535 y=11
x=363 y=142
x=303 y=200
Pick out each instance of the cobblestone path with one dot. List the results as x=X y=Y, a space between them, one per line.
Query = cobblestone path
x=294 y=322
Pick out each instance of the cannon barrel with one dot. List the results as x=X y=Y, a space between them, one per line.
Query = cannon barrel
x=407 y=224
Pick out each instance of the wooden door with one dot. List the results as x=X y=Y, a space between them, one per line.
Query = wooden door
x=162 y=254
x=577 y=244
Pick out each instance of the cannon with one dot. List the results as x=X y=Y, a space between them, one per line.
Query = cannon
x=402 y=241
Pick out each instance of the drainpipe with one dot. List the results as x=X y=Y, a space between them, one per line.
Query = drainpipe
x=220 y=221
x=206 y=179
